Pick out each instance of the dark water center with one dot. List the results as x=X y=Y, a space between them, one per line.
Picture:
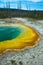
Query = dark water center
x=9 y=32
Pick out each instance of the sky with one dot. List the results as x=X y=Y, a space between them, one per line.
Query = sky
x=22 y=4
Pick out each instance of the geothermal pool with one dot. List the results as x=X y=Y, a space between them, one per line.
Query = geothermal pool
x=17 y=36
x=29 y=56
x=9 y=32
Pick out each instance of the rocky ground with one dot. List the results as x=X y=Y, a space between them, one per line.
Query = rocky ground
x=29 y=56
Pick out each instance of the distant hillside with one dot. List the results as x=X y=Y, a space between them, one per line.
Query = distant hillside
x=5 y=13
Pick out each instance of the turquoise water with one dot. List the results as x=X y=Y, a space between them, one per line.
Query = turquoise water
x=9 y=32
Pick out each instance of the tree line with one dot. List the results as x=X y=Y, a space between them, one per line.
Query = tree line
x=8 y=13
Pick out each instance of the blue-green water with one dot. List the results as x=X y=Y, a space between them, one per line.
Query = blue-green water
x=9 y=32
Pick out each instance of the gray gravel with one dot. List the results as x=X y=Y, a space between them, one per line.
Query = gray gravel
x=29 y=56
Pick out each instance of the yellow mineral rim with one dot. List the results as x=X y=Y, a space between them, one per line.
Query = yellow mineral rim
x=19 y=37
